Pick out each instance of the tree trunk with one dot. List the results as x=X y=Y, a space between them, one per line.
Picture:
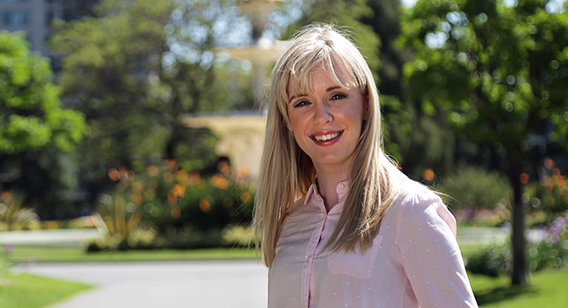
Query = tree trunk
x=519 y=270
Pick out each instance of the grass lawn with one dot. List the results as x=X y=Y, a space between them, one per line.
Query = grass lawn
x=22 y=254
x=30 y=291
x=547 y=289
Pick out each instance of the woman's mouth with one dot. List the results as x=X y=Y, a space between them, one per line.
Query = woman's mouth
x=327 y=138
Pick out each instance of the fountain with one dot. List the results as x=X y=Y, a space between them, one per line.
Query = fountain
x=242 y=135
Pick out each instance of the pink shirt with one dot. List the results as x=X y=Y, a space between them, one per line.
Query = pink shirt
x=415 y=260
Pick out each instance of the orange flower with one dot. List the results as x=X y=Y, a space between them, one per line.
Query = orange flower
x=153 y=170
x=137 y=199
x=6 y=196
x=182 y=176
x=113 y=174
x=178 y=190
x=428 y=174
x=224 y=168
x=243 y=173
x=137 y=187
x=219 y=182
x=204 y=205
x=245 y=197
x=524 y=178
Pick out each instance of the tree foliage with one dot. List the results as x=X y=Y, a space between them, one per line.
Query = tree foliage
x=37 y=135
x=134 y=69
x=31 y=116
x=498 y=72
x=346 y=14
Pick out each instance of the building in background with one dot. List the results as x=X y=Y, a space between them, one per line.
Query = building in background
x=36 y=16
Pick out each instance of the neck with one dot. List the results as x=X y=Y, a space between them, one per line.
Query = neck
x=327 y=185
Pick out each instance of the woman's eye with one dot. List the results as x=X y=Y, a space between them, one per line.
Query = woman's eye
x=338 y=96
x=301 y=103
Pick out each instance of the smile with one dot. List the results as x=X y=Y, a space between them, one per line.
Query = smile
x=327 y=137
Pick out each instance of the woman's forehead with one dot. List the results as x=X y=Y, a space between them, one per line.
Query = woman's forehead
x=302 y=84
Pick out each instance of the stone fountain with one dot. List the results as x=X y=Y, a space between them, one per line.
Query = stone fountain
x=242 y=135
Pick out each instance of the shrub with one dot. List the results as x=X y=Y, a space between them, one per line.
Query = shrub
x=189 y=238
x=138 y=239
x=239 y=235
x=185 y=210
x=492 y=260
x=474 y=187
x=550 y=195
x=173 y=198
x=124 y=227
x=13 y=215
x=211 y=203
x=552 y=252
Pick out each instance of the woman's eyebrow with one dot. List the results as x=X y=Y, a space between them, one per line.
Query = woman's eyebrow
x=295 y=96
x=327 y=90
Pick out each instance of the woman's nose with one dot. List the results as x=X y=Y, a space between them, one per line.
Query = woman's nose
x=323 y=113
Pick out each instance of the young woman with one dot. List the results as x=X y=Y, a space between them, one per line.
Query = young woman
x=338 y=224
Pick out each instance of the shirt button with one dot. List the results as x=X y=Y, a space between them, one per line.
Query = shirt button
x=310 y=259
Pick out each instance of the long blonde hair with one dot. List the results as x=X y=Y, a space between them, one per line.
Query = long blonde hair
x=286 y=172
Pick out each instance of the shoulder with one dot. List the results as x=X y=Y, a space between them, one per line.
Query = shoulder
x=412 y=193
x=418 y=205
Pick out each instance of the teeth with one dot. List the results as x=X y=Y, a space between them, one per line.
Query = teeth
x=326 y=137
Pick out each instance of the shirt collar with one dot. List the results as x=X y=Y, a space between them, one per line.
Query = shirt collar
x=342 y=188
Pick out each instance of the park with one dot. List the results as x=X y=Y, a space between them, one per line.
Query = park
x=130 y=141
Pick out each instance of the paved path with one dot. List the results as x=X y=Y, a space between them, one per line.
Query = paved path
x=204 y=284
x=62 y=237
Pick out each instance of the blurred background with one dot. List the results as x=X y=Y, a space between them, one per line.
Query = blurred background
x=138 y=125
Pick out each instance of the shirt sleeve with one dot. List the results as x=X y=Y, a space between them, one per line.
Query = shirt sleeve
x=430 y=255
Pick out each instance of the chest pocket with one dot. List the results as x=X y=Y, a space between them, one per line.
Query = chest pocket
x=355 y=264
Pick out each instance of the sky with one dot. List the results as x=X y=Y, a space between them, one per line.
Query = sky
x=408 y=3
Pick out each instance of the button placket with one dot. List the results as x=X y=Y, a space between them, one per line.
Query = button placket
x=311 y=251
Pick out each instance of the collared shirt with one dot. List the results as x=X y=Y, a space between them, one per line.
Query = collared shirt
x=414 y=261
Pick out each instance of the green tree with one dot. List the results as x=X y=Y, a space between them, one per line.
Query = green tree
x=346 y=14
x=413 y=135
x=36 y=133
x=134 y=69
x=499 y=72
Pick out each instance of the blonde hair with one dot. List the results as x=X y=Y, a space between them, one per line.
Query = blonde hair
x=286 y=172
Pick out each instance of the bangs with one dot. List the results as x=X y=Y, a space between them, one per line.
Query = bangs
x=299 y=81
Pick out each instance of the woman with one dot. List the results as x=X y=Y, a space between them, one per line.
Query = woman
x=338 y=223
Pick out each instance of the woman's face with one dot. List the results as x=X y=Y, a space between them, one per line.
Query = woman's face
x=327 y=122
